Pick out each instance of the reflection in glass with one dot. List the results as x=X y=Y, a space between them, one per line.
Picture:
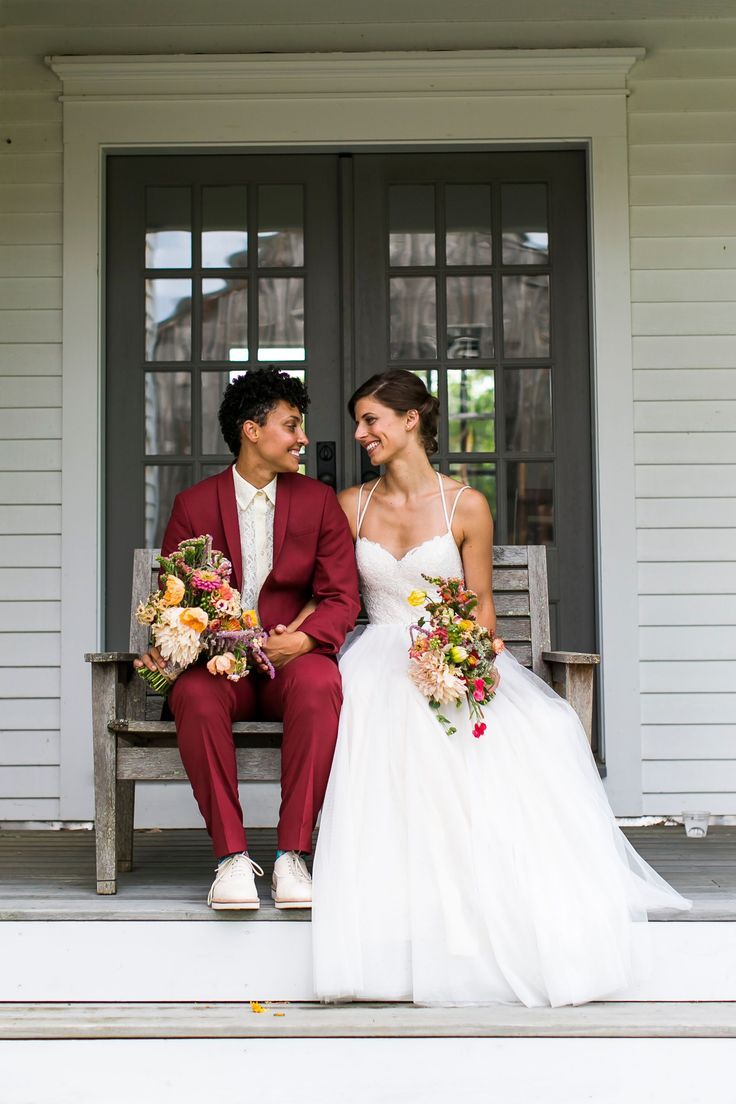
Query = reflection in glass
x=524 y=223
x=225 y=226
x=168 y=319
x=468 y=224
x=213 y=388
x=411 y=224
x=528 y=403
x=168 y=228
x=280 y=225
x=281 y=318
x=224 y=320
x=162 y=484
x=413 y=318
x=429 y=377
x=469 y=317
x=526 y=316
x=529 y=496
x=480 y=476
x=168 y=413
x=471 y=409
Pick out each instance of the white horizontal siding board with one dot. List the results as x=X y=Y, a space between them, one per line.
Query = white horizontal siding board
x=678 y=159
x=30 y=260
x=34 y=683
x=687 y=578
x=668 y=804
x=687 y=609
x=43 y=551
x=38 y=714
x=686 y=544
x=716 y=642
x=30 y=229
x=682 y=676
x=23 y=424
x=669 y=127
x=689 y=741
x=683 y=285
x=679 y=95
x=34 y=391
x=685 y=448
x=696 y=513
x=674 y=190
x=19 y=73
x=685 y=480
x=31 y=617
x=683 y=252
x=682 y=64
x=683 y=318
x=29 y=749
x=29 y=520
x=693 y=708
x=12 y=808
x=30 y=197
x=29 y=781
x=31 y=359
x=26 y=137
x=30 y=486
x=696 y=384
x=29 y=107
x=684 y=352
x=31 y=325
x=30 y=455
x=689 y=775
x=18 y=584
x=691 y=415
x=683 y=222
x=31 y=168
x=42 y=293
x=30 y=647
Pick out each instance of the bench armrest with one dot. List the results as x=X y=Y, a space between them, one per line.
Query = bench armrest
x=567 y=658
x=110 y=657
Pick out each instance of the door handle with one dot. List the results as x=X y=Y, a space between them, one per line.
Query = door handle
x=327 y=463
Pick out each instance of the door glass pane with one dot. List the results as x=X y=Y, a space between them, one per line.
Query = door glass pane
x=213 y=388
x=225 y=226
x=526 y=316
x=428 y=376
x=478 y=475
x=524 y=222
x=471 y=409
x=168 y=228
x=411 y=224
x=468 y=224
x=162 y=484
x=168 y=319
x=529 y=492
x=528 y=402
x=168 y=412
x=413 y=318
x=469 y=317
x=224 y=320
x=280 y=225
x=281 y=318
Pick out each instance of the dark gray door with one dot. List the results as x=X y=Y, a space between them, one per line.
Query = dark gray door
x=469 y=268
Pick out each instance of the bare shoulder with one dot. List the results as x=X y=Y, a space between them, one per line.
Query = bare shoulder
x=348 y=499
x=473 y=515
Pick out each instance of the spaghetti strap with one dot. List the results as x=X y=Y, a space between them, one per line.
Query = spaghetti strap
x=454 y=505
x=448 y=520
x=361 y=513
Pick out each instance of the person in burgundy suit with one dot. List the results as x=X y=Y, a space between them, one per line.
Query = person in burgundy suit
x=293 y=560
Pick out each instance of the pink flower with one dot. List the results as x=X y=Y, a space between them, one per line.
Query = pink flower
x=479 y=729
x=222 y=664
x=497 y=645
x=479 y=689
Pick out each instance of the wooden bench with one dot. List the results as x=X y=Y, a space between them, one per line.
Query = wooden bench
x=131 y=745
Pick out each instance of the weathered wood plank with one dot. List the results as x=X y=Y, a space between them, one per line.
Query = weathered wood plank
x=510 y=578
x=154 y=764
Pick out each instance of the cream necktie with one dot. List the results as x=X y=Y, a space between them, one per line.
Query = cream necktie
x=260 y=510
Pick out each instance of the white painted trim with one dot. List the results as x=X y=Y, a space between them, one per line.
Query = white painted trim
x=444 y=100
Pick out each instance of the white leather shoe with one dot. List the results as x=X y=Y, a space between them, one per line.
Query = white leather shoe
x=234 y=886
x=291 y=886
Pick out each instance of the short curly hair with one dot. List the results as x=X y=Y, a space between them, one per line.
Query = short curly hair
x=252 y=396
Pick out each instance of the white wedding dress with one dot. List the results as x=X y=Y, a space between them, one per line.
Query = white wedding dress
x=451 y=869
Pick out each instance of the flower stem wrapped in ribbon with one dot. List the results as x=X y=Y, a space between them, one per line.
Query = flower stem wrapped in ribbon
x=199 y=611
x=453 y=657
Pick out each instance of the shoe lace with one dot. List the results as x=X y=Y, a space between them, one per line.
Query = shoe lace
x=239 y=860
x=298 y=866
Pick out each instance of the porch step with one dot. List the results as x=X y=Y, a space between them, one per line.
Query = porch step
x=400 y=1021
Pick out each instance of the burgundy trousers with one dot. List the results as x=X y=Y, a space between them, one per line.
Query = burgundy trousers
x=306 y=695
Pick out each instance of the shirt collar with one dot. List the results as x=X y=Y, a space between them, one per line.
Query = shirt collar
x=245 y=492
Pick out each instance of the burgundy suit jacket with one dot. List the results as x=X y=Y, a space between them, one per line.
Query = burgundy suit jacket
x=313 y=553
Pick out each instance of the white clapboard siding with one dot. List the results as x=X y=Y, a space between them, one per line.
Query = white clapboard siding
x=29 y=809
x=43 y=551
x=18 y=584
x=667 y=545
x=31 y=486
x=680 y=610
x=29 y=713
x=29 y=749
x=685 y=448
x=675 y=480
x=698 y=385
x=30 y=519
x=30 y=359
x=25 y=391
x=690 y=513
x=687 y=578
x=673 y=804
x=32 y=682
x=29 y=781
x=690 y=286
x=690 y=775
x=30 y=617
x=694 y=708
x=682 y=676
x=29 y=647
x=680 y=741
x=703 y=642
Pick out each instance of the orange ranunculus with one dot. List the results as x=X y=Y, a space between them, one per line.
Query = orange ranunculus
x=225 y=592
x=194 y=618
x=249 y=619
x=174 y=591
x=222 y=664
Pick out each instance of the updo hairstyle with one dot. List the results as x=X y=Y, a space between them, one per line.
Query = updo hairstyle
x=402 y=391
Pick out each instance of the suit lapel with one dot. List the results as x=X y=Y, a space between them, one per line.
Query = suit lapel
x=229 y=515
x=281 y=515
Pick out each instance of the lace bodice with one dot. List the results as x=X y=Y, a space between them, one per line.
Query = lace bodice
x=386 y=582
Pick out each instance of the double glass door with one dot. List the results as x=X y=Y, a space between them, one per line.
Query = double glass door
x=469 y=269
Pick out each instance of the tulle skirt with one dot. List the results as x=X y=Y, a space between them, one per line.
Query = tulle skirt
x=455 y=869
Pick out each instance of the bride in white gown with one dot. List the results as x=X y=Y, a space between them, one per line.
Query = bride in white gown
x=451 y=868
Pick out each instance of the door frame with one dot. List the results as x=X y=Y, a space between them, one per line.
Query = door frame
x=482 y=100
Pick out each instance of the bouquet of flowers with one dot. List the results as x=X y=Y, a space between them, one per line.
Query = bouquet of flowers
x=197 y=612
x=452 y=656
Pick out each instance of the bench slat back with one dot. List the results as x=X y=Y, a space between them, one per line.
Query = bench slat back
x=519 y=591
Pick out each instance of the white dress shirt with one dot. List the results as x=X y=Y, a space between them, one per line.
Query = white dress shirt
x=256 y=508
